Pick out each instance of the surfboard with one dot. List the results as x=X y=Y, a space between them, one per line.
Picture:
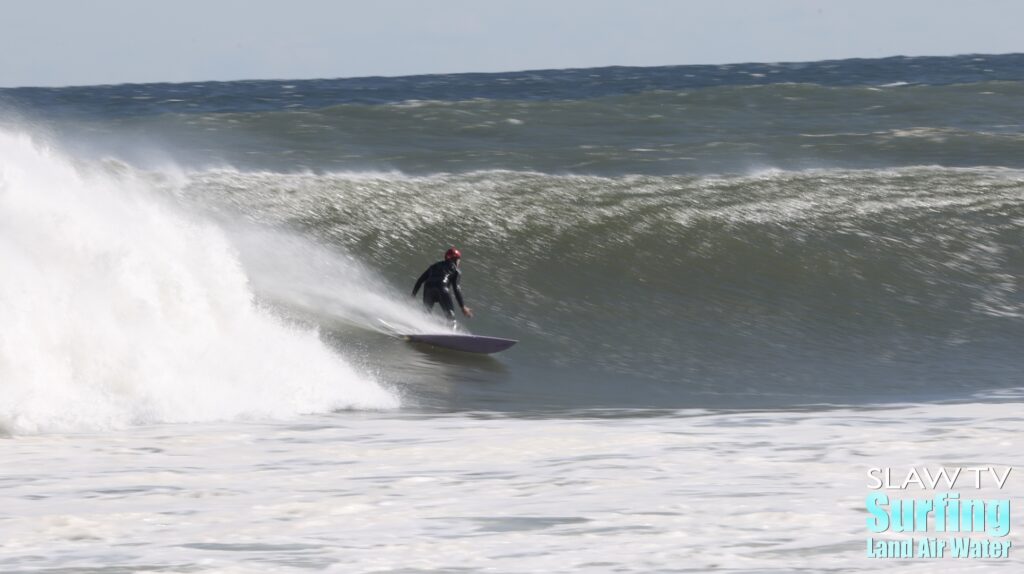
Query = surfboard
x=466 y=343
x=454 y=341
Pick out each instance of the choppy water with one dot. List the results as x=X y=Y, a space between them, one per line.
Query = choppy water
x=695 y=260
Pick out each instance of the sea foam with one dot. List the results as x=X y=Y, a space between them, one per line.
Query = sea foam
x=118 y=308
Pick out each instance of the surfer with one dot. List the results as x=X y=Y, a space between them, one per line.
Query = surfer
x=438 y=281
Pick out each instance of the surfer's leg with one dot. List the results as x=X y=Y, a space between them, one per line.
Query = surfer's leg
x=429 y=298
x=445 y=299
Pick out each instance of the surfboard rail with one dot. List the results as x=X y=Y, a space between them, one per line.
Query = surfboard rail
x=454 y=341
x=461 y=342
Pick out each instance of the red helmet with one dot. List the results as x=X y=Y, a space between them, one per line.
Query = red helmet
x=452 y=253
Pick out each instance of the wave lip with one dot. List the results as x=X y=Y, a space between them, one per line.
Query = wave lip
x=118 y=310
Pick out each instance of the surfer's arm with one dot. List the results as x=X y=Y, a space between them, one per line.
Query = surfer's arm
x=420 y=282
x=457 y=288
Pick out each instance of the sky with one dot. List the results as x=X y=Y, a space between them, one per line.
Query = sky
x=76 y=42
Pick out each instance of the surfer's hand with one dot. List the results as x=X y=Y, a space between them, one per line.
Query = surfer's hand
x=467 y=312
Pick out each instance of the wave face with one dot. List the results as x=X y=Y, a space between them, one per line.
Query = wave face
x=737 y=236
x=120 y=309
x=824 y=285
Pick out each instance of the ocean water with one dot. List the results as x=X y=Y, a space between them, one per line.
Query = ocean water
x=736 y=289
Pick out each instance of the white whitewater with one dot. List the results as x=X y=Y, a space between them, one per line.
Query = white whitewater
x=118 y=309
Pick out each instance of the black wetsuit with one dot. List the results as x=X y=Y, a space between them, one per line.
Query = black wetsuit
x=439 y=281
